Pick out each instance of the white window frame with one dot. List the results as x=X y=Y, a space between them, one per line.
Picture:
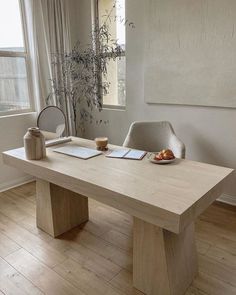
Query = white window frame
x=25 y=55
x=95 y=17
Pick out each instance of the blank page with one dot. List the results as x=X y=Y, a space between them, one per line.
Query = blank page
x=118 y=153
x=135 y=154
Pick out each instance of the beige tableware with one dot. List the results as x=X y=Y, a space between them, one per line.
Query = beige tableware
x=160 y=162
x=34 y=143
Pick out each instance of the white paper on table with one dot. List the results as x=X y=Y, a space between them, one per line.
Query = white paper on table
x=118 y=153
x=135 y=155
x=78 y=152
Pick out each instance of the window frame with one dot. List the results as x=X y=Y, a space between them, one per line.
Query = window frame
x=95 y=18
x=23 y=54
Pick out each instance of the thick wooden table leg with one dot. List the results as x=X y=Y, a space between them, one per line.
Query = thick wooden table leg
x=164 y=263
x=58 y=209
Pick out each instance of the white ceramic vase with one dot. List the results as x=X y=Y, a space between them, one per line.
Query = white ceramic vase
x=34 y=143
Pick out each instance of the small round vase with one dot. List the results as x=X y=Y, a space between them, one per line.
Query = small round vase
x=34 y=143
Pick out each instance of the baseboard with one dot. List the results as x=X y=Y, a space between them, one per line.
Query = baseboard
x=16 y=182
x=227 y=199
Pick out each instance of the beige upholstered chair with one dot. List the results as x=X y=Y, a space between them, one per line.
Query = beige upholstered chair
x=154 y=137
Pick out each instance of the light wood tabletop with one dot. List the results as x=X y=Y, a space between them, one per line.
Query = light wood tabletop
x=164 y=200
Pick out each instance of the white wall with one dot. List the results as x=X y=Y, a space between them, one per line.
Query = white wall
x=208 y=132
x=12 y=130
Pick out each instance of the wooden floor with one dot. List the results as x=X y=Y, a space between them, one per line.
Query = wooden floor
x=97 y=258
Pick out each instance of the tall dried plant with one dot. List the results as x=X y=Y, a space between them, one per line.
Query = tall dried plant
x=80 y=76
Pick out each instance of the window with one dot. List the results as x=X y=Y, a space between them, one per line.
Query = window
x=116 y=69
x=14 y=90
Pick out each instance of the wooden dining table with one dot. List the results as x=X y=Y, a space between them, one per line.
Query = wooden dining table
x=164 y=201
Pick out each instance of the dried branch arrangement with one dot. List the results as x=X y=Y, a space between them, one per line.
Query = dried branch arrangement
x=80 y=76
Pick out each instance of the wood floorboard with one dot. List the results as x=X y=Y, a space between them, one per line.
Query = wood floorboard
x=222 y=256
x=45 y=278
x=93 y=262
x=103 y=248
x=212 y=286
x=96 y=258
x=7 y=246
x=13 y=282
x=84 y=279
x=217 y=270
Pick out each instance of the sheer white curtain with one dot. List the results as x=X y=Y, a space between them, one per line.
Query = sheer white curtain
x=48 y=29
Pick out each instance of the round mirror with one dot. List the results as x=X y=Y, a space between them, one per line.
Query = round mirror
x=52 y=120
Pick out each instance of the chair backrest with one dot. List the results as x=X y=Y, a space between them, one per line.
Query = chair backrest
x=149 y=136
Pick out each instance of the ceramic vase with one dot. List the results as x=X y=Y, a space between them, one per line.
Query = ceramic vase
x=34 y=143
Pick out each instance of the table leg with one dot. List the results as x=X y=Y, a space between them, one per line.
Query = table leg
x=58 y=209
x=164 y=263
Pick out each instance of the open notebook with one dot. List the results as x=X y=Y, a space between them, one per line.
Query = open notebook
x=78 y=152
x=127 y=154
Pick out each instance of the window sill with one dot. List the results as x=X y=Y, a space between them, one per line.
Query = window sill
x=16 y=113
x=113 y=107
